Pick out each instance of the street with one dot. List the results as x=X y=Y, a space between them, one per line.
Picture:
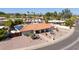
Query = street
x=70 y=43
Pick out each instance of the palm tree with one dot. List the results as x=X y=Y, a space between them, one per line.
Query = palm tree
x=28 y=13
x=34 y=15
x=66 y=13
x=29 y=16
x=55 y=15
x=24 y=17
x=48 y=16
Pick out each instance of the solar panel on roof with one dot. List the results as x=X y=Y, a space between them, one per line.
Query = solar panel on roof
x=18 y=27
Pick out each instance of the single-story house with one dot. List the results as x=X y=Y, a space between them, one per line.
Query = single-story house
x=34 y=21
x=2 y=20
x=60 y=22
x=37 y=28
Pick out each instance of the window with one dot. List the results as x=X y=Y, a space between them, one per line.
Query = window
x=42 y=31
x=38 y=31
x=47 y=30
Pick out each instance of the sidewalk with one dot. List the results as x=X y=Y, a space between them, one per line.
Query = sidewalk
x=49 y=42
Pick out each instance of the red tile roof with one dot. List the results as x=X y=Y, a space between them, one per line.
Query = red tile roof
x=37 y=26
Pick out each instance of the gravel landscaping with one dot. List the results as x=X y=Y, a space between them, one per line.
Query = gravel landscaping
x=24 y=41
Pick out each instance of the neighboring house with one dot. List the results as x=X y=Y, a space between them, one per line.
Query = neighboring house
x=34 y=21
x=13 y=19
x=37 y=19
x=2 y=20
x=60 y=22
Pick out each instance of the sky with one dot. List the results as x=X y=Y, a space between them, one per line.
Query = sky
x=37 y=10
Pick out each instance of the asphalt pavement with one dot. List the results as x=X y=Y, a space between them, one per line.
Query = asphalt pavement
x=64 y=43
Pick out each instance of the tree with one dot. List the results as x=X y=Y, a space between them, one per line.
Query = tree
x=59 y=16
x=7 y=16
x=40 y=15
x=2 y=13
x=10 y=24
x=24 y=15
x=18 y=15
x=66 y=13
x=18 y=21
x=74 y=18
x=69 y=22
x=33 y=15
x=2 y=34
x=55 y=15
x=48 y=16
x=28 y=13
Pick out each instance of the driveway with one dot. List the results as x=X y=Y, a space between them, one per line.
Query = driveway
x=64 y=43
